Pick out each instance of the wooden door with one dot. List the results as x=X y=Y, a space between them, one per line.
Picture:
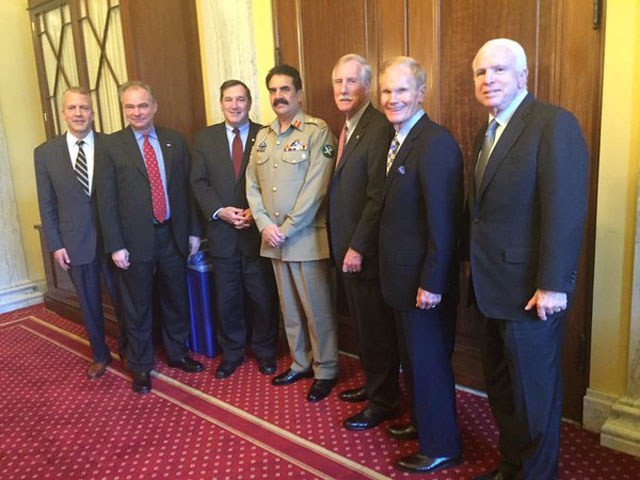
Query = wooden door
x=564 y=43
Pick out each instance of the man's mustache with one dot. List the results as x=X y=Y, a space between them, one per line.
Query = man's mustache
x=280 y=101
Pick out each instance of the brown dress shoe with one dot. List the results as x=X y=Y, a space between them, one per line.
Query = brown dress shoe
x=97 y=369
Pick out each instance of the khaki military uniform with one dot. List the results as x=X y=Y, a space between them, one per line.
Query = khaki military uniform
x=287 y=182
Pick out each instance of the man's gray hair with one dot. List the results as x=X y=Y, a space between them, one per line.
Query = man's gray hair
x=417 y=71
x=514 y=47
x=365 y=72
x=135 y=84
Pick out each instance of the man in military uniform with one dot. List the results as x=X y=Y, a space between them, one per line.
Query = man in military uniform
x=287 y=181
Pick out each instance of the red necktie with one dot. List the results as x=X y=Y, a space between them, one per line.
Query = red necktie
x=155 y=180
x=236 y=152
x=341 y=142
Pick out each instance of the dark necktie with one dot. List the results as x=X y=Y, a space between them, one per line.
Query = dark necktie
x=341 y=142
x=236 y=152
x=158 y=198
x=82 y=172
x=485 y=151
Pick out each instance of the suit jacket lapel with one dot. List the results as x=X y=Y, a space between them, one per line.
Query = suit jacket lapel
x=405 y=150
x=97 y=147
x=221 y=150
x=251 y=138
x=167 y=153
x=508 y=138
x=65 y=165
x=131 y=146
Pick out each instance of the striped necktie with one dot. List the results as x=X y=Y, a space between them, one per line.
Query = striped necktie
x=82 y=172
x=393 y=150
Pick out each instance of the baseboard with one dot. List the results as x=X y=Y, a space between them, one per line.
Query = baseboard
x=20 y=296
x=596 y=409
x=621 y=430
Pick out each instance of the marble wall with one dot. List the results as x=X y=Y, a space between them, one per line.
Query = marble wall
x=15 y=288
x=228 y=51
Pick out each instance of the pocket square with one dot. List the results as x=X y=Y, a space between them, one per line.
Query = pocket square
x=401 y=170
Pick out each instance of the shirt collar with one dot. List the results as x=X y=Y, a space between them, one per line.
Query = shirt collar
x=89 y=140
x=352 y=122
x=296 y=122
x=409 y=124
x=504 y=116
x=152 y=134
x=243 y=128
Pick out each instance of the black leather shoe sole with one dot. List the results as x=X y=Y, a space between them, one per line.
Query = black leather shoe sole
x=289 y=377
x=354 y=395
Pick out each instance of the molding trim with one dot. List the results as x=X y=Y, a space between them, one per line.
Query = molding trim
x=597 y=409
x=20 y=296
x=621 y=430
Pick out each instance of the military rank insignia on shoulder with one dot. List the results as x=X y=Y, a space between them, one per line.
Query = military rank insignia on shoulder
x=327 y=151
x=315 y=121
x=262 y=146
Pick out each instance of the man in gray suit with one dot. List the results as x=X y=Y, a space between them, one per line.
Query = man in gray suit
x=64 y=169
x=287 y=181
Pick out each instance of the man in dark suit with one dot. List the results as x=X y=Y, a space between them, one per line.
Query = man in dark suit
x=65 y=168
x=527 y=207
x=243 y=279
x=354 y=216
x=423 y=197
x=150 y=227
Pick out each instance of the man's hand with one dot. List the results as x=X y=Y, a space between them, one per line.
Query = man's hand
x=352 y=262
x=121 y=258
x=248 y=217
x=62 y=258
x=233 y=216
x=271 y=234
x=194 y=244
x=426 y=300
x=547 y=303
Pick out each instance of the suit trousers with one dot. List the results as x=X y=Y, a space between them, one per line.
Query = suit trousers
x=108 y=271
x=430 y=337
x=86 y=279
x=246 y=302
x=309 y=318
x=168 y=269
x=522 y=363
x=377 y=339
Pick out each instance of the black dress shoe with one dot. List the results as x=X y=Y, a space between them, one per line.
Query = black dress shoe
x=403 y=431
x=226 y=369
x=187 y=364
x=320 y=389
x=419 y=463
x=267 y=366
x=367 y=418
x=141 y=382
x=290 y=376
x=354 y=395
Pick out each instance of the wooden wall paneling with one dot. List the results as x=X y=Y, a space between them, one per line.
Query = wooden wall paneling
x=285 y=29
x=424 y=45
x=392 y=30
x=162 y=49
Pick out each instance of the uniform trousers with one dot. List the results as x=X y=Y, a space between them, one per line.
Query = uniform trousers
x=309 y=318
x=522 y=363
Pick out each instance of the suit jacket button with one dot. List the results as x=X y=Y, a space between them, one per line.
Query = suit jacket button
x=275 y=189
x=275 y=165
x=277 y=214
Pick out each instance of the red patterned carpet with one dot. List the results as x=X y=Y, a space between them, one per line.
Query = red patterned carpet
x=56 y=424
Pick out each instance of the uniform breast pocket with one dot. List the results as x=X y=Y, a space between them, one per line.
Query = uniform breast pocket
x=297 y=162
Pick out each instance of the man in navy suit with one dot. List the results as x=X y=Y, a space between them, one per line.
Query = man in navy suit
x=354 y=218
x=527 y=206
x=423 y=197
x=65 y=167
x=150 y=227
x=245 y=287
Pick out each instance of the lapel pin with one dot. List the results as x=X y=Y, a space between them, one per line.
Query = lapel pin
x=401 y=170
x=167 y=144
